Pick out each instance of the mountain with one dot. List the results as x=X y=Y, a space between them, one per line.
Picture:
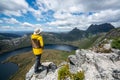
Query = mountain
x=72 y=35
x=75 y=34
x=94 y=29
x=8 y=36
x=114 y=33
x=7 y=40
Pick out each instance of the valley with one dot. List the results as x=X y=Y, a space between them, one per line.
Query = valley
x=77 y=38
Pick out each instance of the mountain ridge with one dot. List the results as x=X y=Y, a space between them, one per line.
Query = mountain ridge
x=94 y=29
x=49 y=38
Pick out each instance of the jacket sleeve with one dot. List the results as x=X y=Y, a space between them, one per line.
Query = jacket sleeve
x=41 y=41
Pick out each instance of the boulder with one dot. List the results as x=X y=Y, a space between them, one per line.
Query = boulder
x=48 y=69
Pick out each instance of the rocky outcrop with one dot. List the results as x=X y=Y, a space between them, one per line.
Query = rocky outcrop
x=48 y=72
x=96 y=66
x=104 y=46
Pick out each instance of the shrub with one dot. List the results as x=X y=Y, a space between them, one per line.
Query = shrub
x=116 y=43
x=78 y=76
x=64 y=73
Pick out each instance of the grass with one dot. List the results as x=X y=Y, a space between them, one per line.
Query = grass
x=26 y=60
x=64 y=73
x=116 y=43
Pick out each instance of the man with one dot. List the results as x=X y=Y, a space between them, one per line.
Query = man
x=37 y=45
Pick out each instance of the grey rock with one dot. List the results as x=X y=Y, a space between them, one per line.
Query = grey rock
x=116 y=74
x=80 y=56
x=43 y=73
x=72 y=59
x=63 y=63
x=48 y=68
x=118 y=52
x=107 y=46
x=52 y=67
x=96 y=66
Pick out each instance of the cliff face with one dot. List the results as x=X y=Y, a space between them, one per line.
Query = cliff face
x=96 y=66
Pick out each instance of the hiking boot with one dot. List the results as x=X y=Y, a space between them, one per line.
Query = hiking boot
x=41 y=67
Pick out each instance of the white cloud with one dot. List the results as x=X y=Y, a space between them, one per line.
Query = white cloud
x=36 y=13
x=103 y=11
x=117 y=23
x=66 y=13
x=83 y=21
x=26 y=24
x=32 y=26
x=10 y=21
x=13 y=7
x=5 y=27
x=78 y=5
x=105 y=16
x=65 y=28
x=62 y=15
x=45 y=5
x=1 y=21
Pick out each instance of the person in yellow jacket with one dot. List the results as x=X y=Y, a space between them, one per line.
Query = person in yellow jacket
x=37 y=47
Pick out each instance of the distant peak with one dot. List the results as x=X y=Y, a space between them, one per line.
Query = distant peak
x=75 y=28
x=105 y=27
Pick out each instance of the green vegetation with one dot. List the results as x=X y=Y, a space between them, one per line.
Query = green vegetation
x=78 y=76
x=64 y=73
x=26 y=60
x=86 y=43
x=116 y=43
x=50 y=38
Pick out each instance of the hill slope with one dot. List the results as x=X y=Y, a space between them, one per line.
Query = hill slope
x=115 y=33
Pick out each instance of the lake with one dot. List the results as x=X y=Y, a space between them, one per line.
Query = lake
x=8 y=69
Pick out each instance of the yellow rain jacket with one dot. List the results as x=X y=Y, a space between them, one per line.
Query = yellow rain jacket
x=37 y=44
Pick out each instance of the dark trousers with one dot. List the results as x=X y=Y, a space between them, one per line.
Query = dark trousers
x=37 y=62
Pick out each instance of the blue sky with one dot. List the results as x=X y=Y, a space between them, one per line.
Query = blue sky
x=57 y=15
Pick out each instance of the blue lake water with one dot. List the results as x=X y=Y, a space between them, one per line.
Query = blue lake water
x=8 y=69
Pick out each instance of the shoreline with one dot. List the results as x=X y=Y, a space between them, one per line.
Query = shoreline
x=25 y=61
x=75 y=46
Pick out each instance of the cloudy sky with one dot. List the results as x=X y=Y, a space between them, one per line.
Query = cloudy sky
x=57 y=15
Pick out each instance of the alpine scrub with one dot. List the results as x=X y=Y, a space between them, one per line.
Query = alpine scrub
x=64 y=73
